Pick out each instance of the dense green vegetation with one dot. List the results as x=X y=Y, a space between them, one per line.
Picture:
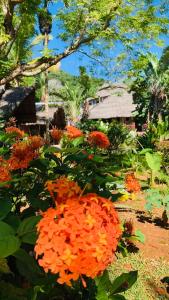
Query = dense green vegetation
x=151 y=87
x=61 y=194
x=90 y=28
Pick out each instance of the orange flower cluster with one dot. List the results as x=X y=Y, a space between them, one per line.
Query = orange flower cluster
x=4 y=171
x=79 y=237
x=21 y=156
x=56 y=134
x=62 y=188
x=35 y=142
x=24 y=152
x=131 y=183
x=98 y=139
x=73 y=132
x=15 y=131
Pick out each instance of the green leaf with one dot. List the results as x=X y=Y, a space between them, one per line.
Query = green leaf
x=97 y=158
x=70 y=150
x=101 y=295
x=52 y=150
x=34 y=199
x=117 y=297
x=27 y=266
x=27 y=229
x=140 y=236
x=78 y=141
x=146 y=150
x=103 y=284
x=103 y=280
x=154 y=161
x=5 y=207
x=38 y=39
x=5 y=229
x=123 y=282
x=9 y=244
x=41 y=164
x=13 y=220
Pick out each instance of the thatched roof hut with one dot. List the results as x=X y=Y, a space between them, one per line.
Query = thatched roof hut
x=19 y=102
x=111 y=102
x=41 y=114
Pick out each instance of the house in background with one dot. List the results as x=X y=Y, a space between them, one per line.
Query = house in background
x=19 y=102
x=112 y=102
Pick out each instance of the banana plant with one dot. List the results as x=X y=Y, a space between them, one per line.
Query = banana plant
x=154 y=161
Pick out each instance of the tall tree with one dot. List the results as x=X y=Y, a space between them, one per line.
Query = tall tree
x=45 y=26
x=17 y=26
x=81 y=25
x=151 y=88
x=73 y=97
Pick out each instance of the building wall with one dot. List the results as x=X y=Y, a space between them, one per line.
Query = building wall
x=26 y=111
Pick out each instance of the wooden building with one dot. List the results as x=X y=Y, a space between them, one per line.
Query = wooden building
x=19 y=102
x=112 y=102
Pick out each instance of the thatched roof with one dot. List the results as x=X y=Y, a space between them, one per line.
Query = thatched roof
x=40 y=110
x=12 y=98
x=115 y=102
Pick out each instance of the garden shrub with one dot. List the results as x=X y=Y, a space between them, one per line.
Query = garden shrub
x=93 y=125
x=118 y=134
x=54 y=203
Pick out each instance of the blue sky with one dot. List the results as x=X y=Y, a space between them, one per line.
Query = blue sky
x=71 y=64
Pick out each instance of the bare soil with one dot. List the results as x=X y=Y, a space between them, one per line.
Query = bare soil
x=156 y=235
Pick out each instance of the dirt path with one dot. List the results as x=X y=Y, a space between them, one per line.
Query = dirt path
x=156 y=237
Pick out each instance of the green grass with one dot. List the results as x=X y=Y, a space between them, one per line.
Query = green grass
x=150 y=272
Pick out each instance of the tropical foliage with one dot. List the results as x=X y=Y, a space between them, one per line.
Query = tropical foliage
x=43 y=190
x=151 y=92
x=59 y=227
x=81 y=26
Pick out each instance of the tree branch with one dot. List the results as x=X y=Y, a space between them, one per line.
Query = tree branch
x=15 y=2
x=92 y=57
x=44 y=63
x=8 y=11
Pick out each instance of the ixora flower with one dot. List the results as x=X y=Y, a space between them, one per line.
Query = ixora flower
x=79 y=237
x=62 y=188
x=24 y=152
x=15 y=131
x=131 y=183
x=98 y=139
x=4 y=171
x=56 y=134
x=73 y=132
x=35 y=142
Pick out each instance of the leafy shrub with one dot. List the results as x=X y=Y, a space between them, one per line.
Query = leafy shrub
x=118 y=134
x=155 y=133
x=158 y=199
x=27 y=164
x=91 y=125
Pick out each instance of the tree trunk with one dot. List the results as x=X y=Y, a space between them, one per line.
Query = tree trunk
x=46 y=96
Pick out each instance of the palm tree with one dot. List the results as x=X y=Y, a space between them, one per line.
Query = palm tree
x=151 y=87
x=73 y=97
x=158 y=85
